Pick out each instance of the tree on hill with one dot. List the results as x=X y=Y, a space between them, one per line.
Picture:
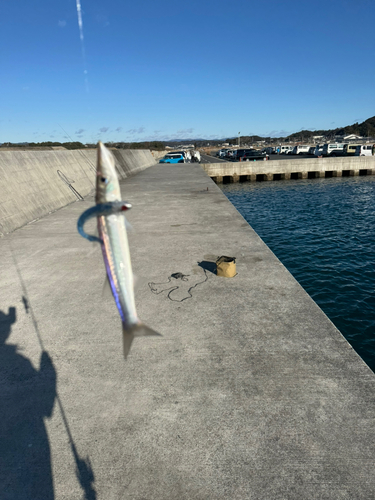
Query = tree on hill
x=49 y=144
x=364 y=129
x=154 y=145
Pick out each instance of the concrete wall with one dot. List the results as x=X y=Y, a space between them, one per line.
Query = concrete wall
x=352 y=164
x=130 y=162
x=35 y=183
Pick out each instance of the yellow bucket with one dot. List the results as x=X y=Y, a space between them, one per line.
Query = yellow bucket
x=226 y=266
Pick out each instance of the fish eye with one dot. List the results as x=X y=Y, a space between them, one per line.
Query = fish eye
x=104 y=179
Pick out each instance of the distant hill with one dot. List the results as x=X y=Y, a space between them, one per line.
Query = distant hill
x=364 y=129
x=43 y=145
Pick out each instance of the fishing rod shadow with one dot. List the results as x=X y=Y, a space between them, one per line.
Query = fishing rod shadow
x=83 y=470
x=33 y=394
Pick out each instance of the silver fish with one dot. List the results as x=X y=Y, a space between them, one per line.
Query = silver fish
x=109 y=210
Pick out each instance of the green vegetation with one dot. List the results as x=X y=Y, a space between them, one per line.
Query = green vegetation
x=364 y=129
x=48 y=144
x=153 y=145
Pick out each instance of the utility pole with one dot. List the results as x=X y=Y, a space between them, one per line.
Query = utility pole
x=239 y=139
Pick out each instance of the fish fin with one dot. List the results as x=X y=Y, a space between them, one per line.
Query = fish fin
x=141 y=330
x=138 y=330
x=127 y=340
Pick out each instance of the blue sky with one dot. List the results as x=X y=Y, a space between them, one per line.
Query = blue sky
x=167 y=69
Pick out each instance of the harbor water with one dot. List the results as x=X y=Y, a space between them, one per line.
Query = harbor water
x=323 y=231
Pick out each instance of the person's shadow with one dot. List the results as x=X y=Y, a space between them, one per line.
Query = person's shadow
x=27 y=396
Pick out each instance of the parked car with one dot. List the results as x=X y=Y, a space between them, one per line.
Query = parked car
x=349 y=149
x=333 y=149
x=301 y=149
x=285 y=149
x=196 y=157
x=185 y=154
x=221 y=153
x=239 y=153
x=318 y=150
x=269 y=150
x=311 y=150
x=253 y=155
x=364 y=150
x=173 y=158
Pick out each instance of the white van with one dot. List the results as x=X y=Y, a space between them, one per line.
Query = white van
x=364 y=150
x=196 y=157
x=333 y=149
x=284 y=149
x=221 y=153
x=301 y=150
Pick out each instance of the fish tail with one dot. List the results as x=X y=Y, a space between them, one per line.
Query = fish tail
x=138 y=330
x=127 y=340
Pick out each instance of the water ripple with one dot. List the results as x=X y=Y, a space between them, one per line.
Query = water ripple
x=323 y=230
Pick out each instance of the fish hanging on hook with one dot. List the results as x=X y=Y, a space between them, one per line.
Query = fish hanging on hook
x=110 y=213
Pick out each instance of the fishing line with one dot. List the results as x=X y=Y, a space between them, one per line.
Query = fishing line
x=86 y=158
x=92 y=166
x=83 y=471
x=69 y=183
x=182 y=277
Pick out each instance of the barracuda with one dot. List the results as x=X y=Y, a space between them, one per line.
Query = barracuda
x=109 y=210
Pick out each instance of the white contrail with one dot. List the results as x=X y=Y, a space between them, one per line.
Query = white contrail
x=80 y=23
x=82 y=38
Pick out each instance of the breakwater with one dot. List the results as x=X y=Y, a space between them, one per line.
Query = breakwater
x=35 y=183
x=250 y=392
x=275 y=170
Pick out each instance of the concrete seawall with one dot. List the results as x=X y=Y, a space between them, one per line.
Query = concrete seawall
x=293 y=169
x=35 y=183
x=250 y=393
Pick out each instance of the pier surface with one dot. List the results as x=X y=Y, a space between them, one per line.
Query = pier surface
x=250 y=393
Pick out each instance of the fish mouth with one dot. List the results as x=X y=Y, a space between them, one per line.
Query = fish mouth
x=105 y=161
x=107 y=185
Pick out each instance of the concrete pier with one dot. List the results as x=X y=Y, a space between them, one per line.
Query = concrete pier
x=293 y=169
x=250 y=393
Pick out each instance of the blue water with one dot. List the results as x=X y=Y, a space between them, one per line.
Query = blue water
x=323 y=231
